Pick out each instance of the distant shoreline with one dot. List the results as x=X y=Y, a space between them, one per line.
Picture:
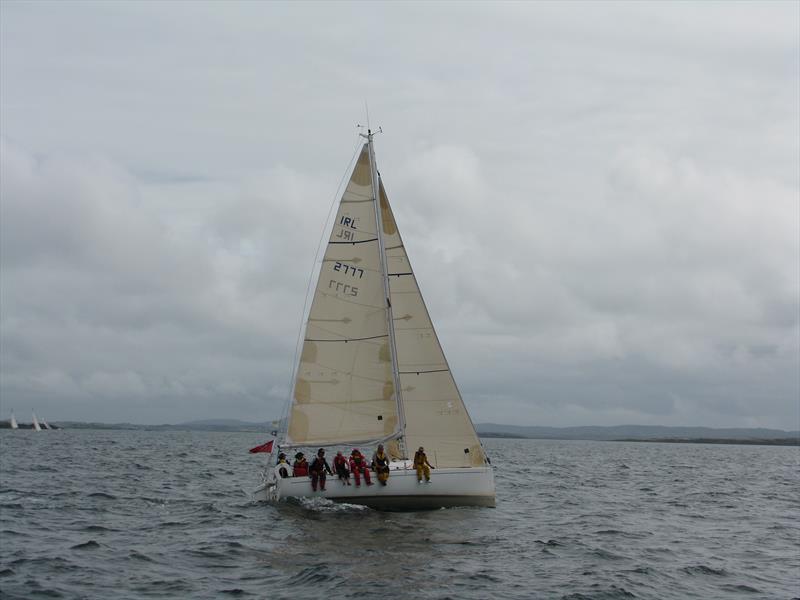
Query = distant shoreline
x=623 y=433
x=745 y=442
x=739 y=441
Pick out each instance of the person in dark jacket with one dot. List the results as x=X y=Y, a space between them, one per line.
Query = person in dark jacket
x=380 y=464
x=319 y=466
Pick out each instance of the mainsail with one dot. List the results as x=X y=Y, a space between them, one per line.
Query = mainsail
x=13 y=421
x=344 y=390
x=35 y=422
x=353 y=360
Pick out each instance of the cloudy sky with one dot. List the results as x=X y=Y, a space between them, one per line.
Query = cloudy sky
x=601 y=201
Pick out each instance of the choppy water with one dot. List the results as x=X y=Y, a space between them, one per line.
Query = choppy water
x=124 y=514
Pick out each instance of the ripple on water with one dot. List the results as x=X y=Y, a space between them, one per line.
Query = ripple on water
x=162 y=514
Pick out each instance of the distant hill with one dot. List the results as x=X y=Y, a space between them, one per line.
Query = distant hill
x=633 y=432
x=616 y=432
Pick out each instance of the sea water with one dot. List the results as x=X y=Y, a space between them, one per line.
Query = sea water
x=138 y=514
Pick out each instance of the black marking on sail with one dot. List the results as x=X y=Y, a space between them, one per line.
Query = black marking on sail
x=399 y=274
x=360 y=242
x=380 y=417
x=418 y=372
x=374 y=337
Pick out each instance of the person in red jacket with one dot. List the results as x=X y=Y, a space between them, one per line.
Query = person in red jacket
x=340 y=466
x=358 y=466
x=300 y=467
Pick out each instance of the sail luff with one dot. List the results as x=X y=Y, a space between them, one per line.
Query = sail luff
x=389 y=313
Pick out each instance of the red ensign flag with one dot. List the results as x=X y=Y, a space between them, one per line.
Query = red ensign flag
x=263 y=447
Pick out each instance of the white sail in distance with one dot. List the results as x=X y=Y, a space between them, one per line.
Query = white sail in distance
x=45 y=424
x=13 y=421
x=35 y=422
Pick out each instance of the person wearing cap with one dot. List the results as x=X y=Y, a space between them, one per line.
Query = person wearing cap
x=340 y=466
x=422 y=465
x=317 y=469
x=282 y=468
x=380 y=464
x=358 y=466
x=300 y=468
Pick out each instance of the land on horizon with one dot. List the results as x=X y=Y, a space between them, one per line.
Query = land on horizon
x=632 y=433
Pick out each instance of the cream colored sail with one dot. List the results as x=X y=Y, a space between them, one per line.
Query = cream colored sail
x=344 y=390
x=435 y=415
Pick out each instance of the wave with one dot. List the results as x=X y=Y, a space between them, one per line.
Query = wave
x=705 y=570
x=90 y=545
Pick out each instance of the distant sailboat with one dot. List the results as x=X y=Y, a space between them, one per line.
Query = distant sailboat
x=372 y=370
x=35 y=422
x=13 y=421
x=45 y=424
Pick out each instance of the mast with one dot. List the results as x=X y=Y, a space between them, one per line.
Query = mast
x=384 y=266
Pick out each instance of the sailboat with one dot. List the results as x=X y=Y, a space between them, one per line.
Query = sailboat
x=45 y=424
x=35 y=422
x=372 y=370
x=13 y=421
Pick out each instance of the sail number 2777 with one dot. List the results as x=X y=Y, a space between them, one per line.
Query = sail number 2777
x=348 y=269
x=346 y=288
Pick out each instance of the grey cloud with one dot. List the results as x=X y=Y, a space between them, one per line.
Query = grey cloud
x=601 y=201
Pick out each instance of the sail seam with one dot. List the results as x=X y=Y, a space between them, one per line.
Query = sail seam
x=374 y=337
x=399 y=274
x=423 y=372
x=361 y=242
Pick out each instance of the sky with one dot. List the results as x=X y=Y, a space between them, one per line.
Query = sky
x=601 y=202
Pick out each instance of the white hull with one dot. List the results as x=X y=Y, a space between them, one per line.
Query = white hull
x=467 y=486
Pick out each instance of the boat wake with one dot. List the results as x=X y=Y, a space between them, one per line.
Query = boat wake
x=325 y=505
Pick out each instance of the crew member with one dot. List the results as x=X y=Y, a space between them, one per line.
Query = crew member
x=340 y=466
x=283 y=467
x=358 y=466
x=317 y=469
x=380 y=464
x=422 y=465
x=300 y=468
